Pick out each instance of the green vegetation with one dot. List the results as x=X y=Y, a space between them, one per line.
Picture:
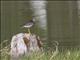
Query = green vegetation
x=67 y=54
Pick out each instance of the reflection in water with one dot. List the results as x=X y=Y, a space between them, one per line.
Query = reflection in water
x=39 y=11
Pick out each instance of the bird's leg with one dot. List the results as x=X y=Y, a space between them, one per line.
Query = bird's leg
x=29 y=31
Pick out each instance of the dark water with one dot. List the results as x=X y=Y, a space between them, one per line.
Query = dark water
x=14 y=15
x=63 y=22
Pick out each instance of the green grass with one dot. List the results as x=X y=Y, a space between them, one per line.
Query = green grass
x=67 y=54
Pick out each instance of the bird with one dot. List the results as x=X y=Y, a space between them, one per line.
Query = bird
x=29 y=24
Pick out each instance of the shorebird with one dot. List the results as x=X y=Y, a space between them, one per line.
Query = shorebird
x=29 y=24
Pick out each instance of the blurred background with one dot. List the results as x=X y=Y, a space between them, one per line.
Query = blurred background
x=61 y=23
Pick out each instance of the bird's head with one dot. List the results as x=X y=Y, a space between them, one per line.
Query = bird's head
x=33 y=20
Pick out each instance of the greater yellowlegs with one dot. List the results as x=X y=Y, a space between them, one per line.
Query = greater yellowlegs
x=29 y=24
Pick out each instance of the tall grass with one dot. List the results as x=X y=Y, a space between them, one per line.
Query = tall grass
x=73 y=54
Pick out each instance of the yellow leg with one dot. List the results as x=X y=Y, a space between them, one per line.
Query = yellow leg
x=29 y=31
